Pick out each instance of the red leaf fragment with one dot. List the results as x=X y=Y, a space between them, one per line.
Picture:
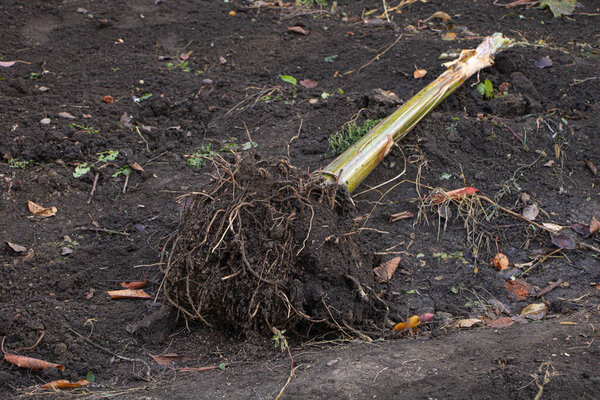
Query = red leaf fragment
x=65 y=384
x=518 y=289
x=135 y=284
x=108 y=99
x=564 y=241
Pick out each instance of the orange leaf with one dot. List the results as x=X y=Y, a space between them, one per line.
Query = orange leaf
x=136 y=167
x=135 y=284
x=108 y=99
x=128 y=294
x=65 y=384
x=441 y=15
x=40 y=211
x=412 y=322
x=28 y=362
x=503 y=322
x=419 y=73
x=449 y=36
x=518 y=289
x=386 y=270
x=297 y=29
x=500 y=261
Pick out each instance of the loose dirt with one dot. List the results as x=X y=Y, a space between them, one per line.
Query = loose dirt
x=186 y=75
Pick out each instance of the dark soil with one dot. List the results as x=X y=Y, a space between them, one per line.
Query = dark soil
x=540 y=139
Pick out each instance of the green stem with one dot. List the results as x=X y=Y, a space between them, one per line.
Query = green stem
x=355 y=164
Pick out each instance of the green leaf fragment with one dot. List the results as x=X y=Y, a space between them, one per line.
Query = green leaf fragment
x=90 y=377
x=289 y=79
x=81 y=170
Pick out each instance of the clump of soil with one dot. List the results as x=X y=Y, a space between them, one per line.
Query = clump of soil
x=266 y=245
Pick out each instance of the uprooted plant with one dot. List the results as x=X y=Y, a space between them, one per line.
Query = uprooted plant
x=267 y=245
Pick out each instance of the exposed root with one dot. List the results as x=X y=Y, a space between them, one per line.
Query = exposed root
x=251 y=251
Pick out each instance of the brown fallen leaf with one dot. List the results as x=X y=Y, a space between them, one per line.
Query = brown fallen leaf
x=401 y=215
x=308 y=83
x=518 y=289
x=531 y=212
x=553 y=227
x=136 y=167
x=40 y=211
x=564 y=241
x=128 y=294
x=534 y=311
x=17 y=248
x=503 y=322
x=500 y=261
x=65 y=384
x=441 y=15
x=28 y=362
x=135 y=284
x=594 y=226
x=467 y=323
x=591 y=166
x=297 y=29
x=419 y=73
x=385 y=271
x=166 y=359
x=29 y=255
x=582 y=229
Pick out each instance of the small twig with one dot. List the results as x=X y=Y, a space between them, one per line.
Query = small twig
x=143 y=138
x=549 y=288
x=147 y=378
x=289 y=379
x=85 y=228
x=93 y=187
x=34 y=345
x=148 y=265
x=125 y=184
x=589 y=247
x=376 y=58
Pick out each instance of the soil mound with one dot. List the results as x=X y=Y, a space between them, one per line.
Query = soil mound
x=265 y=245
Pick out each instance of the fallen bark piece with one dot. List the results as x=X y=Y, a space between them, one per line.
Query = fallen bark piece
x=355 y=164
x=28 y=362
x=401 y=215
x=65 y=384
x=128 y=294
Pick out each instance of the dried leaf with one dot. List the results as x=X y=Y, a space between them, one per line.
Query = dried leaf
x=500 y=306
x=222 y=60
x=401 y=215
x=441 y=15
x=518 y=289
x=108 y=99
x=385 y=271
x=594 y=225
x=136 y=167
x=28 y=362
x=7 y=64
x=45 y=121
x=449 y=36
x=65 y=384
x=553 y=227
x=40 y=211
x=531 y=212
x=591 y=166
x=419 y=73
x=467 y=323
x=455 y=194
x=500 y=261
x=582 y=229
x=90 y=293
x=128 y=294
x=543 y=62
x=166 y=359
x=564 y=241
x=445 y=212
x=410 y=323
x=297 y=29
x=29 y=255
x=135 y=284
x=559 y=7
x=17 y=248
x=308 y=83
x=125 y=120
x=503 y=322
x=66 y=115
x=534 y=311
